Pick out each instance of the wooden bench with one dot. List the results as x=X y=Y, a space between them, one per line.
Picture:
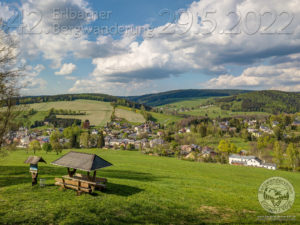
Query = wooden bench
x=75 y=185
x=99 y=181
x=81 y=183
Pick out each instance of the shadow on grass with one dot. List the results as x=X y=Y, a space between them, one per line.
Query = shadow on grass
x=14 y=175
x=127 y=174
x=121 y=190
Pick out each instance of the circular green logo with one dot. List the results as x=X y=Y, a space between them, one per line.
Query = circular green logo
x=276 y=195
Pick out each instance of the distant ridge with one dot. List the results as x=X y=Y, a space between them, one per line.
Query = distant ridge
x=168 y=97
x=270 y=101
x=262 y=101
x=85 y=96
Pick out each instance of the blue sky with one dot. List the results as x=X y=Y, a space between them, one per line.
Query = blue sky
x=181 y=44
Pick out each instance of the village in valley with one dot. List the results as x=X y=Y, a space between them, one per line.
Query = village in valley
x=184 y=139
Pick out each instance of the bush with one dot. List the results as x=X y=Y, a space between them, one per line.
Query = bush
x=130 y=147
x=286 y=168
x=47 y=147
x=297 y=169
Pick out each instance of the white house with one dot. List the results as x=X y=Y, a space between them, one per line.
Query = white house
x=24 y=142
x=270 y=166
x=95 y=132
x=156 y=142
x=266 y=129
x=235 y=159
x=116 y=142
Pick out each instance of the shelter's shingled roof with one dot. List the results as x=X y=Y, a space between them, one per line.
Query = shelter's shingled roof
x=81 y=161
x=34 y=160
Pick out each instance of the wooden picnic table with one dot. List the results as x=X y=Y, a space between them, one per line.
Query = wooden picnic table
x=81 y=183
x=74 y=161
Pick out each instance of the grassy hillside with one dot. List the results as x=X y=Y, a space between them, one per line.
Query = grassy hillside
x=165 y=119
x=72 y=97
x=131 y=115
x=158 y=117
x=206 y=107
x=262 y=101
x=141 y=190
x=257 y=103
x=97 y=112
x=180 y=95
x=189 y=103
x=216 y=111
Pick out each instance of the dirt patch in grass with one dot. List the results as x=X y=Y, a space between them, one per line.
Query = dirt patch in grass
x=211 y=209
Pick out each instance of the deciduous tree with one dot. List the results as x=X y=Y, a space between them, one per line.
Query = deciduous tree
x=9 y=88
x=278 y=153
x=47 y=147
x=55 y=143
x=34 y=146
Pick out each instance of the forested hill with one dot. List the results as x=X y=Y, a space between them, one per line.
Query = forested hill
x=262 y=101
x=72 y=97
x=179 y=95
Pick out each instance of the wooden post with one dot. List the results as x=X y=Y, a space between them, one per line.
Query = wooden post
x=94 y=176
x=34 y=177
x=71 y=173
x=88 y=175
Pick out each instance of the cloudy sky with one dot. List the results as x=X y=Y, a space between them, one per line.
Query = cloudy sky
x=139 y=46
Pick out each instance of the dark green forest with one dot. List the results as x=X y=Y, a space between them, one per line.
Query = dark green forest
x=235 y=100
x=72 y=97
x=179 y=95
x=262 y=101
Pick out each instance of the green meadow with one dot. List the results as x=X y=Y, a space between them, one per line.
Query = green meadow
x=134 y=115
x=99 y=113
x=129 y=114
x=141 y=189
x=203 y=107
x=164 y=118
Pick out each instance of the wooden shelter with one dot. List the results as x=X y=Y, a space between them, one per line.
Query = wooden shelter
x=34 y=160
x=33 y=169
x=74 y=161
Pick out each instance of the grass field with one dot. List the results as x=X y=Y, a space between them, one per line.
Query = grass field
x=215 y=111
x=39 y=116
x=127 y=114
x=141 y=190
x=97 y=112
x=165 y=119
x=210 y=111
x=189 y=103
x=213 y=142
x=159 y=118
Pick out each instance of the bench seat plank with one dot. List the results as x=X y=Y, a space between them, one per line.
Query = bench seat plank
x=81 y=183
x=87 y=190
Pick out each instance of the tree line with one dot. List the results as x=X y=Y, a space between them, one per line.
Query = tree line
x=262 y=101
x=72 y=97
x=75 y=137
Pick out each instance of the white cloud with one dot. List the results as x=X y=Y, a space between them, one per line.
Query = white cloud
x=43 y=33
x=282 y=76
x=57 y=36
x=30 y=82
x=127 y=61
x=70 y=78
x=66 y=69
x=5 y=12
x=163 y=55
x=121 y=89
